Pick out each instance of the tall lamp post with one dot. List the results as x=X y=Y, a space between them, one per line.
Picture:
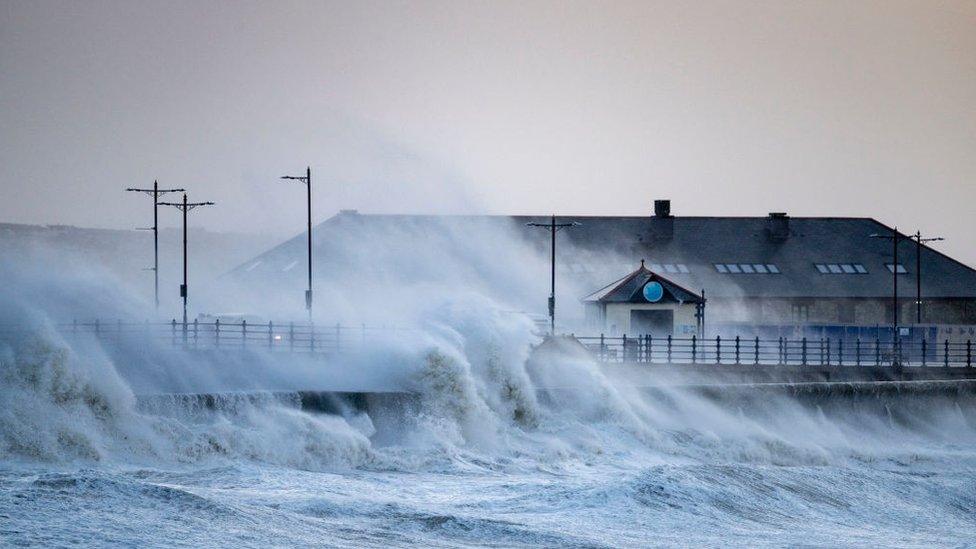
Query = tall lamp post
x=155 y=193
x=185 y=207
x=553 y=228
x=307 y=180
x=894 y=237
x=918 y=272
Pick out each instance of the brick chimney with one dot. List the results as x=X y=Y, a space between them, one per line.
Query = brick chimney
x=662 y=223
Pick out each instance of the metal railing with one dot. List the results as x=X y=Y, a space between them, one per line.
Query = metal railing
x=781 y=351
x=299 y=337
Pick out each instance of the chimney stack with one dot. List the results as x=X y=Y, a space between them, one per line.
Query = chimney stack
x=662 y=208
x=662 y=223
x=778 y=225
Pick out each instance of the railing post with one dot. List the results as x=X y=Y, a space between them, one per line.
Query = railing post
x=311 y=337
x=243 y=333
x=217 y=333
x=623 y=350
x=946 y=353
x=694 y=348
x=196 y=333
x=857 y=352
x=648 y=348
x=737 y=355
x=291 y=336
x=173 y=331
x=782 y=359
x=270 y=334
x=828 y=351
x=96 y=327
x=925 y=347
x=603 y=349
x=840 y=352
x=74 y=325
x=756 y=357
x=969 y=353
x=803 y=352
x=718 y=350
x=877 y=351
x=669 y=349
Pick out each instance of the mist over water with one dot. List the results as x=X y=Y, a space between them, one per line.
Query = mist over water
x=102 y=445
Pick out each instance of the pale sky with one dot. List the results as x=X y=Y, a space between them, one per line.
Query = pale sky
x=827 y=108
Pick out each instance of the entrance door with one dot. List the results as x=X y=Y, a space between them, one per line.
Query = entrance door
x=656 y=323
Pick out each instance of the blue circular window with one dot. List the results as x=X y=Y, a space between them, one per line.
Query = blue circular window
x=653 y=292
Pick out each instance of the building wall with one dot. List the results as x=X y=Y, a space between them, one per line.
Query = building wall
x=617 y=320
x=857 y=312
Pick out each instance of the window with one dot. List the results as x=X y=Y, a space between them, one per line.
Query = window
x=800 y=313
x=290 y=266
x=656 y=267
x=745 y=268
x=682 y=268
x=891 y=268
x=840 y=268
x=669 y=267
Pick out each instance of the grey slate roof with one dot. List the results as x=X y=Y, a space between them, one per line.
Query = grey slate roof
x=602 y=249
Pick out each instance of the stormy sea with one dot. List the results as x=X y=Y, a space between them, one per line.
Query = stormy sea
x=479 y=453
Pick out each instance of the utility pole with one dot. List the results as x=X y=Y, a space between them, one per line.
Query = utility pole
x=894 y=237
x=185 y=207
x=307 y=179
x=553 y=228
x=918 y=272
x=155 y=193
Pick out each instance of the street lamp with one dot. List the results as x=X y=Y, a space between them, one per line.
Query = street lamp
x=894 y=237
x=155 y=193
x=185 y=207
x=918 y=272
x=553 y=228
x=307 y=180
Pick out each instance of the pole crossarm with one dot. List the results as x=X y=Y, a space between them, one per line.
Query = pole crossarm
x=188 y=206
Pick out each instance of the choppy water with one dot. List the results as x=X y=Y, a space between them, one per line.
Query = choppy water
x=479 y=460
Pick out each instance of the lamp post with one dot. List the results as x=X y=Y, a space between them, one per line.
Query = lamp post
x=155 y=193
x=894 y=237
x=553 y=228
x=918 y=272
x=185 y=207
x=307 y=180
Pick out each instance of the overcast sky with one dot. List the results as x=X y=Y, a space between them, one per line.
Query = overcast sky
x=728 y=108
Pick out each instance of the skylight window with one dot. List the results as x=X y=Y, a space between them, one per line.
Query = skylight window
x=656 y=267
x=682 y=268
x=669 y=267
x=746 y=268
x=840 y=268
x=290 y=266
x=901 y=268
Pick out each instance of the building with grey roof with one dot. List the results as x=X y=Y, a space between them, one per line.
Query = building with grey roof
x=773 y=269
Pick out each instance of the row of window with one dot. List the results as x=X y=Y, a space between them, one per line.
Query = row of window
x=743 y=268
x=747 y=268
x=840 y=268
